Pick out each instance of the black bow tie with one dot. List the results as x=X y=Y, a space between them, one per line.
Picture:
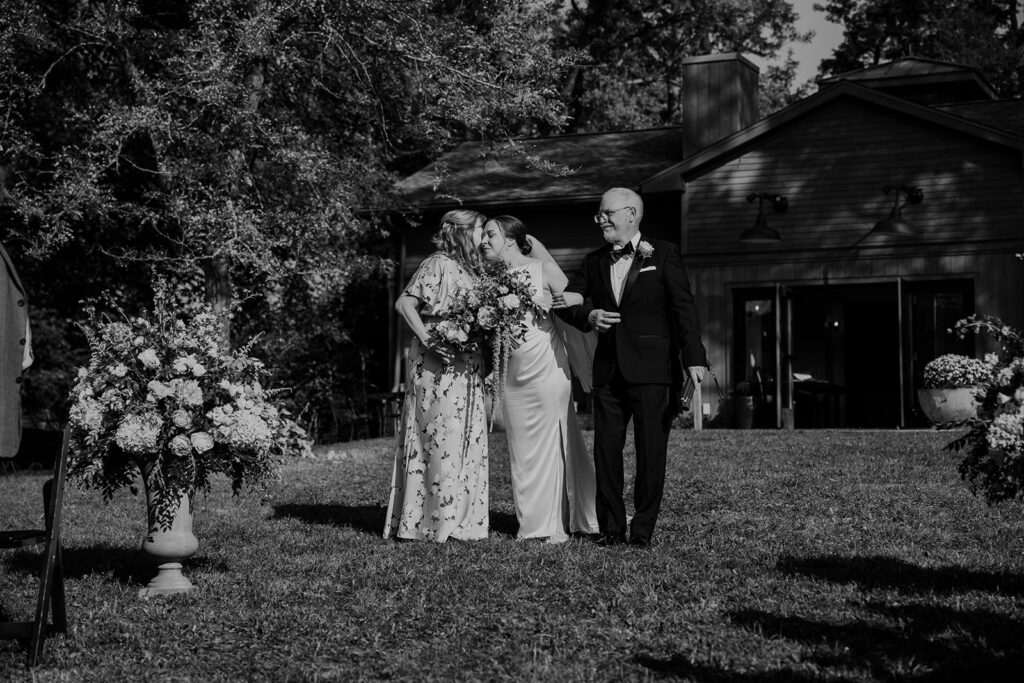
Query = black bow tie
x=622 y=253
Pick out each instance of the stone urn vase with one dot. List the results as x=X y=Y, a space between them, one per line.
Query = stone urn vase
x=942 y=406
x=168 y=548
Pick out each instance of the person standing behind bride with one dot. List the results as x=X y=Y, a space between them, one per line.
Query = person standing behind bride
x=553 y=480
x=439 y=481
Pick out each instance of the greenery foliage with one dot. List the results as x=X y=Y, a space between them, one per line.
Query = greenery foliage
x=632 y=76
x=248 y=146
x=984 y=34
x=162 y=398
x=779 y=556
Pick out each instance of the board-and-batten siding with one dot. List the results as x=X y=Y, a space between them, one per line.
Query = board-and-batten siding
x=832 y=166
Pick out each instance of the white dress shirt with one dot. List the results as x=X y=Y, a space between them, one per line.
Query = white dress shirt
x=620 y=269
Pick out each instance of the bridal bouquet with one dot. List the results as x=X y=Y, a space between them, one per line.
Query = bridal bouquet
x=505 y=298
x=161 y=397
x=459 y=330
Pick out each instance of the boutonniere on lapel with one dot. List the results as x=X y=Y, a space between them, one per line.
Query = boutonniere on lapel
x=644 y=250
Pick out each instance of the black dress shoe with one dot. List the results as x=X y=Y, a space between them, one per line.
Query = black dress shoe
x=640 y=541
x=611 y=539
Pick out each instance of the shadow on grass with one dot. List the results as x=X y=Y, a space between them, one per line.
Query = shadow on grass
x=364 y=518
x=879 y=572
x=679 y=666
x=504 y=523
x=129 y=566
x=907 y=642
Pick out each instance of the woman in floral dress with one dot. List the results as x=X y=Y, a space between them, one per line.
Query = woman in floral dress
x=439 y=485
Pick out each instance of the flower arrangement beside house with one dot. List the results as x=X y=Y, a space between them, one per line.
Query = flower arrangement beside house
x=993 y=448
x=162 y=398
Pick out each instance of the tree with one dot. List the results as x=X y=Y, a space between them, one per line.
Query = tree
x=632 y=78
x=245 y=149
x=984 y=34
x=250 y=138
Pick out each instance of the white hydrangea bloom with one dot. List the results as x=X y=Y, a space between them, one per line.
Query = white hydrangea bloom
x=139 y=433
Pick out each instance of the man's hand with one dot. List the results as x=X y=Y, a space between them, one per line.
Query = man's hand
x=566 y=300
x=602 y=320
x=696 y=373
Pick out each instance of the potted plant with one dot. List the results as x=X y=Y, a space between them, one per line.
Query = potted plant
x=161 y=398
x=949 y=386
x=743 y=405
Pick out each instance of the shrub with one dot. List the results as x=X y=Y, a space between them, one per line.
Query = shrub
x=993 y=449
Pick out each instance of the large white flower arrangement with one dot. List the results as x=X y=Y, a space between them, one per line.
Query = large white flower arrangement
x=993 y=448
x=162 y=398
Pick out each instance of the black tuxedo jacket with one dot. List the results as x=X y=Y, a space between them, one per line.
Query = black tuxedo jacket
x=659 y=326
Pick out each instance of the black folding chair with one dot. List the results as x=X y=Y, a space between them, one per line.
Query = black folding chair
x=51 y=584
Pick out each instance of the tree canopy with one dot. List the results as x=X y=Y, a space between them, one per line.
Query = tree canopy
x=632 y=76
x=245 y=149
x=249 y=136
x=984 y=34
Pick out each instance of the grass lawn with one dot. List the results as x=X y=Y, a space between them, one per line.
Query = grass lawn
x=779 y=556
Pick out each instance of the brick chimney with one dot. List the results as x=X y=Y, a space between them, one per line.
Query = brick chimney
x=719 y=98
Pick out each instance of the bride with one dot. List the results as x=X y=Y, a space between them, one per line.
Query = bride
x=553 y=481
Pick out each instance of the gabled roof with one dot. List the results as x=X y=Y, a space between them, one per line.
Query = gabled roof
x=719 y=153
x=1006 y=115
x=908 y=73
x=598 y=160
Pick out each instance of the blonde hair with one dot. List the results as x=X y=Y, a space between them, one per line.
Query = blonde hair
x=455 y=237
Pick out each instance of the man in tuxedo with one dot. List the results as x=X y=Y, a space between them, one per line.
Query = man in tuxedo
x=637 y=296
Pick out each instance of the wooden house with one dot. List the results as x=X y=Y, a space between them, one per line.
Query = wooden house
x=821 y=290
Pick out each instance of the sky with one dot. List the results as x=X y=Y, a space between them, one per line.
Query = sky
x=827 y=38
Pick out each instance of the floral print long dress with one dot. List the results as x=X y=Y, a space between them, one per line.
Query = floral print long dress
x=439 y=484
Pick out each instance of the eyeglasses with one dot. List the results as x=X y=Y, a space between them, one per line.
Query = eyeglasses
x=607 y=213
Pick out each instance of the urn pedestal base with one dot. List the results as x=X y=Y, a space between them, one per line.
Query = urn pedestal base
x=168 y=547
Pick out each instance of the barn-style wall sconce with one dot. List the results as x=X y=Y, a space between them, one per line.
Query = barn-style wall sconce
x=762 y=233
x=894 y=225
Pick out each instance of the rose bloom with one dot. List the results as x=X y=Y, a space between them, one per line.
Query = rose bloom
x=198 y=370
x=181 y=446
x=181 y=418
x=509 y=301
x=202 y=441
x=485 y=317
x=149 y=358
x=119 y=370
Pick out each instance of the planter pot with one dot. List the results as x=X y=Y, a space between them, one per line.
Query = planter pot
x=947 y=405
x=743 y=412
x=168 y=547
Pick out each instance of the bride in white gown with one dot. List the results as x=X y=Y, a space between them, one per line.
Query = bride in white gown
x=553 y=481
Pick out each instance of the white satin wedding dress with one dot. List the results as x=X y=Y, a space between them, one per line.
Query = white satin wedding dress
x=553 y=481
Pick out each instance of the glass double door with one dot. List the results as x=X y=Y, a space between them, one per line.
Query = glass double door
x=818 y=356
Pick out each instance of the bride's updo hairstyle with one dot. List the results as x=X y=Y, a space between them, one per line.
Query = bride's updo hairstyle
x=512 y=228
x=455 y=237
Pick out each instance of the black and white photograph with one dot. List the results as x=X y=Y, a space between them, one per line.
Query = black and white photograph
x=512 y=340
